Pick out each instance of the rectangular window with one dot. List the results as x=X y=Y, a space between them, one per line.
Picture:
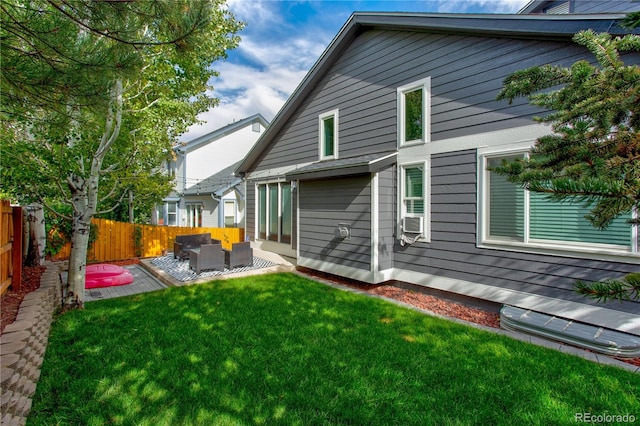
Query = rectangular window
x=230 y=214
x=514 y=215
x=262 y=212
x=413 y=112
x=274 y=212
x=286 y=216
x=506 y=206
x=413 y=206
x=414 y=190
x=328 y=134
x=172 y=214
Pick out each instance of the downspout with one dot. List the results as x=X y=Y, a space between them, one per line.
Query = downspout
x=220 y=212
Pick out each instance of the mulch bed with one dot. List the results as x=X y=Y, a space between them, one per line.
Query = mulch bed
x=11 y=300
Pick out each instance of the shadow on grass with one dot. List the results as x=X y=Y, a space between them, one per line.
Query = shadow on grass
x=280 y=349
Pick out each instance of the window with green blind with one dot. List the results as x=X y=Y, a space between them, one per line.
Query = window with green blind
x=506 y=206
x=414 y=190
x=514 y=214
x=555 y=220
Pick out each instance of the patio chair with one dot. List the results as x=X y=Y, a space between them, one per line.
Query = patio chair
x=209 y=257
x=184 y=243
x=241 y=254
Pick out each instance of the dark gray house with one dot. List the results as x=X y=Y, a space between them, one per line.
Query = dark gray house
x=376 y=167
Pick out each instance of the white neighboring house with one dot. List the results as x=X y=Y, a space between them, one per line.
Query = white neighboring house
x=204 y=180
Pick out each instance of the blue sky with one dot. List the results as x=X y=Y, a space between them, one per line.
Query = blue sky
x=283 y=39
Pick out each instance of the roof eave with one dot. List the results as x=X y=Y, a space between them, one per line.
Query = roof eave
x=524 y=26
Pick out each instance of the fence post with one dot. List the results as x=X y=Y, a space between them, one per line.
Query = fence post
x=16 y=277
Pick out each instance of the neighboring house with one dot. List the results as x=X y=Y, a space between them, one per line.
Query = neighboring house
x=201 y=164
x=222 y=194
x=375 y=169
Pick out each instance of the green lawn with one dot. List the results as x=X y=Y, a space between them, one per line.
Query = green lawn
x=281 y=349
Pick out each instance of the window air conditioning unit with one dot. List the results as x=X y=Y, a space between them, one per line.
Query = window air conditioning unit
x=413 y=225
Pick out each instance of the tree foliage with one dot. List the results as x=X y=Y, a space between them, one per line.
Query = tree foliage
x=593 y=155
x=94 y=95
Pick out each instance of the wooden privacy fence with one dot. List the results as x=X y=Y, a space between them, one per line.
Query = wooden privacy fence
x=10 y=247
x=117 y=240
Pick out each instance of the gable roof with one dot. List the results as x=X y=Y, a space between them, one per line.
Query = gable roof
x=220 y=133
x=217 y=184
x=553 y=27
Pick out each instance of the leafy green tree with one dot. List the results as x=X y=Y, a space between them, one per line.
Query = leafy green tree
x=593 y=155
x=94 y=94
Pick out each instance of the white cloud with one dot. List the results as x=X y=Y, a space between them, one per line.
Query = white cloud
x=279 y=47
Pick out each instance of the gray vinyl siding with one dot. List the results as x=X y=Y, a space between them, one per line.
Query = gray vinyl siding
x=250 y=212
x=386 y=217
x=323 y=204
x=466 y=74
x=452 y=251
x=605 y=6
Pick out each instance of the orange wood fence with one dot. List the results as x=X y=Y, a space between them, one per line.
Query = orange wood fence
x=116 y=240
x=10 y=247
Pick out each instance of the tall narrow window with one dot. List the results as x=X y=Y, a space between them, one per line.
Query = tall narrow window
x=506 y=205
x=262 y=212
x=413 y=119
x=285 y=209
x=328 y=131
x=413 y=112
x=273 y=212
x=230 y=214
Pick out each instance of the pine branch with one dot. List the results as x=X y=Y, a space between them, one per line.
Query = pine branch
x=627 y=288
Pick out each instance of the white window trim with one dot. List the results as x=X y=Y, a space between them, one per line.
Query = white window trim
x=426 y=187
x=559 y=248
x=425 y=85
x=279 y=183
x=224 y=212
x=333 y=113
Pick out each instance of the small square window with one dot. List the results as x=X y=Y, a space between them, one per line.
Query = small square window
x=328 y=133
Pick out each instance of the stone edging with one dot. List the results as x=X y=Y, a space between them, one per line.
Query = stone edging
x=22 y=347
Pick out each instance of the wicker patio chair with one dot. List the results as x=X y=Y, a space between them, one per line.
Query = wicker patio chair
x=241 y=254
x=209 y=257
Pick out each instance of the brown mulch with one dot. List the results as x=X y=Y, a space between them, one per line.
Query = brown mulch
x=11 y=300
x=428 y=303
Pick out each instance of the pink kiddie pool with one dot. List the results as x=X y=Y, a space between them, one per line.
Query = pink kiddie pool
x=105 y=275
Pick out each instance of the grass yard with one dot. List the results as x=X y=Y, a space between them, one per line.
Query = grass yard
x=281 y=349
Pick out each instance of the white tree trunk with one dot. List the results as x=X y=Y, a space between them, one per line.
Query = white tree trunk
x=84 y=198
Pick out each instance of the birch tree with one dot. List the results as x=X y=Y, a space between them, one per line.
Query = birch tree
x=94 y=94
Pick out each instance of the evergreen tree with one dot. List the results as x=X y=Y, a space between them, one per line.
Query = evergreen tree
x=593 y=155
